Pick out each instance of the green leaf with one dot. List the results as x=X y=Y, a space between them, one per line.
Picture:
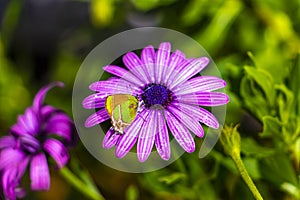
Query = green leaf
x=193 y=12
x=252 y=166
x=253 y=98
x=171 y=179
x=296 y=150
x=215 y=33
x=264 y=80
x=285 y=102
x=271 y=127
x=225 y=161
x=278 y=169
x=294 y=83
x=250 y=147
x=291 y=189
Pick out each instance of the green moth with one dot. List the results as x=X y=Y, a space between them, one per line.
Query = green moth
x=122 y=109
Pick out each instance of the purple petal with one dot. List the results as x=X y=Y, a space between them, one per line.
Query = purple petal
x=29 y=143
x=162 y=137
x=10 y=157
x=148 y=61
x=146 y=137
x=161 y=60
x=110 y=139
x=96 y=118
x=11 y=178
x=57 y=151
x=7 y=141
x=135 y=65
x=199 y=114
x=9 y=184
x=204 y=98
x=20 y=193
x=40 y=96
x=18 y=130
x=39 y=173
x=170 y=70
x=200 y=84
x=124 y=74
x=130 y=135
x=32 y=121
x=59 y=116
x=114 y=87
x=187 y=121
x=47 y=111
x=61 y=125
x=94 y=101
x=180 y=133
x=28 y=123
x=194 y=67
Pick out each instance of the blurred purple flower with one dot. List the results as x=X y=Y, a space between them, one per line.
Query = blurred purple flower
x=42 y=130
x=170 y=94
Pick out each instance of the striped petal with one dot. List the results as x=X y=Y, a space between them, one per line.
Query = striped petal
x=135 y=65
x=124 y=74
x=148 y=60
x=162 y=142
x=130 y=135
x=114 y=87
x=180 y=133
x=194 y=67
x=161 y=60
x=175 y=59
x=110 y=139
x=204 y=98
x=199 y=114
x=187 y=121
x=94 y=101
x=96 y=118
x=200 y=84
x=146 y=137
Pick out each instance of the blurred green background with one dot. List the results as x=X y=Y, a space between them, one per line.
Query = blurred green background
x=255 y=44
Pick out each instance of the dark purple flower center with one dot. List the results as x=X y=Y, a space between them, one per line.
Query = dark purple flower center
x=156 y=95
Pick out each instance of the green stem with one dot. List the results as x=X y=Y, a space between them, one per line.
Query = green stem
x=231 y=141
x=81 y=186
x=243 y=171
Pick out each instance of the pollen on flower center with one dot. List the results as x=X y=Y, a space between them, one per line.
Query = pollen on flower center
x=156 y=95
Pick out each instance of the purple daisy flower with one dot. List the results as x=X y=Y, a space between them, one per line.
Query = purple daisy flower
x=169 y=94
x=42 y=130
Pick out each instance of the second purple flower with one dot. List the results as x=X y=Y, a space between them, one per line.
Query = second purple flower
x=40 y=132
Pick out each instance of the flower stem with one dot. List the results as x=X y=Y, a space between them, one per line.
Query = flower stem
x=243 y=172
x=231 y=141
x=84 y=188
